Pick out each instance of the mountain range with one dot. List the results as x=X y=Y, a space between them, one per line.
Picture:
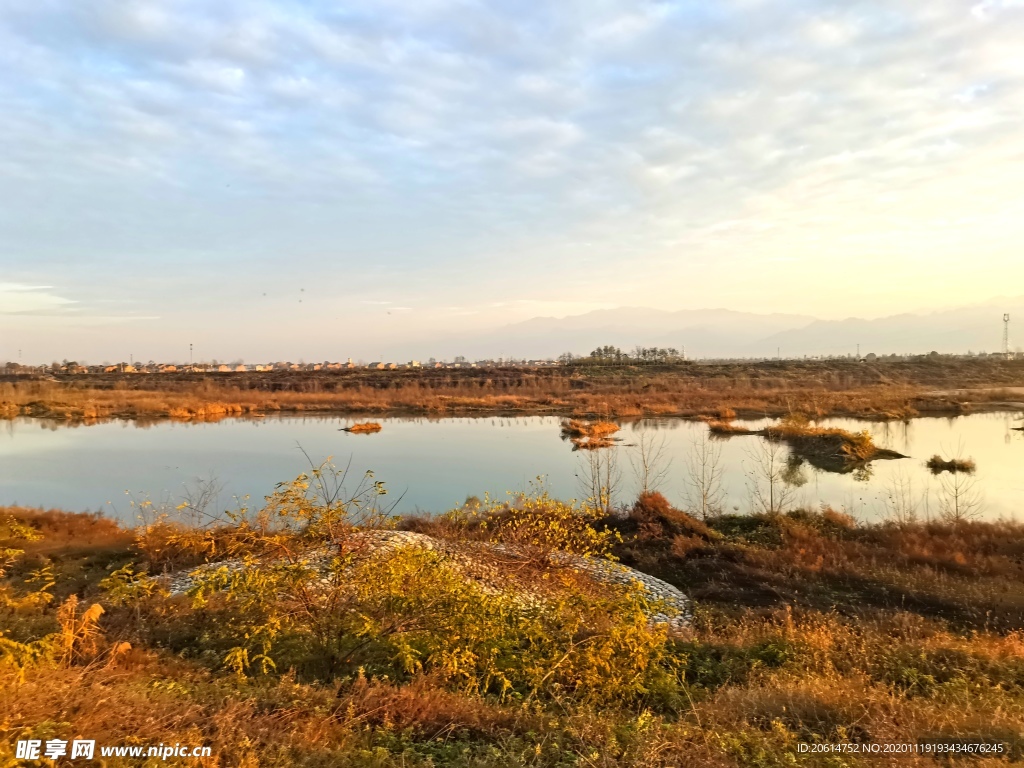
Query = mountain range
x=729 y=333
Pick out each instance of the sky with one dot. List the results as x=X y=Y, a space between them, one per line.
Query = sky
x=275 y=179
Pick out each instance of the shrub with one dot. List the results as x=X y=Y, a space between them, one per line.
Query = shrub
x=541 y=527
x=654 y=516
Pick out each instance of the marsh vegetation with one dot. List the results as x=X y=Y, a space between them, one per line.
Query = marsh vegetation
x=363 y=427
x=807 y=627
x=749 y=389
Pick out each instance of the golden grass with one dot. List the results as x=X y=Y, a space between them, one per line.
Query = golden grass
x=592 y=429
x=808 y=628
x=364 y=427
x=720 y=391
x=589 y=435
x=717 y=427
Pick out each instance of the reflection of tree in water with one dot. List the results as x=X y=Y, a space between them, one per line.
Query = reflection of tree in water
x=640 y=425
x=862 y=473
x=794 y=474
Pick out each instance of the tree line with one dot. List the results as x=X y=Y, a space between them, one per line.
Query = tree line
x=611 y=355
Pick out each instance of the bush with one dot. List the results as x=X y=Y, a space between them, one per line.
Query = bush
x=653 y=516
x=543 y=528
x=317 y=598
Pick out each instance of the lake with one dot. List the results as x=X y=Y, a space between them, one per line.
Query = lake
x=432 y=465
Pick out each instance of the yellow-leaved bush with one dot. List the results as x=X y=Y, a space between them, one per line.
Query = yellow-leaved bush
x=409 y=610
x=77 y=637
x=313 y=594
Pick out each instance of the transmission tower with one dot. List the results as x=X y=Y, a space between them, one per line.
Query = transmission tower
x=1006 y=335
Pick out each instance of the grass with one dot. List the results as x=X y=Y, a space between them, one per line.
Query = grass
x=365 y=427
x=829 y=448
x=808 y=627
x=589 y=435
x=938 y=465
x=726 y=428
x=720 y=391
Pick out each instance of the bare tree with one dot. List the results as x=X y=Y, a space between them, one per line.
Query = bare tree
x=598 y=476
x=899 y=504
x=766 y=471
x=961 y=500
x=649 y=461
x=704 y=492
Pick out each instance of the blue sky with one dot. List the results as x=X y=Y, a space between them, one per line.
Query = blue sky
x=324 y=179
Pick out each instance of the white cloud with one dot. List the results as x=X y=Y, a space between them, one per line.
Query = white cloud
x=461 y=148
x=21 y=299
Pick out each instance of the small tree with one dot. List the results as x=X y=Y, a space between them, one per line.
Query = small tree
x=649 y=462
x=704 y=493
x=598 y=476
x=766 y=470
x=898 y=501
x=961 y=500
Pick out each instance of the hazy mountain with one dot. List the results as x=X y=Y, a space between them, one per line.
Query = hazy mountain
x=700 y=331
x=976 y=328
x=728 y=333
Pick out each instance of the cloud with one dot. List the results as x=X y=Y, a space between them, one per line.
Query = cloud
x=21 y=299
x=494 y=149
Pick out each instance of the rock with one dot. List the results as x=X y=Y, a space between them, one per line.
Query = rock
x=677 y=611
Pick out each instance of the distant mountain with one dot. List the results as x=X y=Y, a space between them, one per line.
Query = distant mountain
x=703 y=332
x=976 y=328
x=728 y=333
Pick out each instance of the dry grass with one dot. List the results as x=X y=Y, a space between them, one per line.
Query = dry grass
x=807 y=628
x=721 y=391
x=589 y=435
x=79 y=547
x=590 y=429
x=725 y=428
x=365 y=427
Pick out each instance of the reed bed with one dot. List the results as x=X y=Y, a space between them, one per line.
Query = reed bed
x=718 y=391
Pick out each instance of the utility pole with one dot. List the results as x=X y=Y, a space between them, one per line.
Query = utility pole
x=1006 y=335
x=858 y=351
x=190 y=366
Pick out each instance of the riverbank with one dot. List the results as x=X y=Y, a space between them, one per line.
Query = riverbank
x=806 y=629
x=815 y=388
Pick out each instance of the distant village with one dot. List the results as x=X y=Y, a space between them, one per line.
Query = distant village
x=72 y=367
x=600 y=356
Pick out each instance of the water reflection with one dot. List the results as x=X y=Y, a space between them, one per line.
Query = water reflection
x=438 y=461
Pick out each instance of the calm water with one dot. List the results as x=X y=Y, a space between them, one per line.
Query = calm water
x=435 y=464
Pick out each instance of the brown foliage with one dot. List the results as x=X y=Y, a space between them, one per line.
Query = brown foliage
x=589 y=435
x=891 y=390
x=424 y=706
x=364 y=427
x=654 y=517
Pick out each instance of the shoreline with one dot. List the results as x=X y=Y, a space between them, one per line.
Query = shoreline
x=883 y=392
x=213 y=412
